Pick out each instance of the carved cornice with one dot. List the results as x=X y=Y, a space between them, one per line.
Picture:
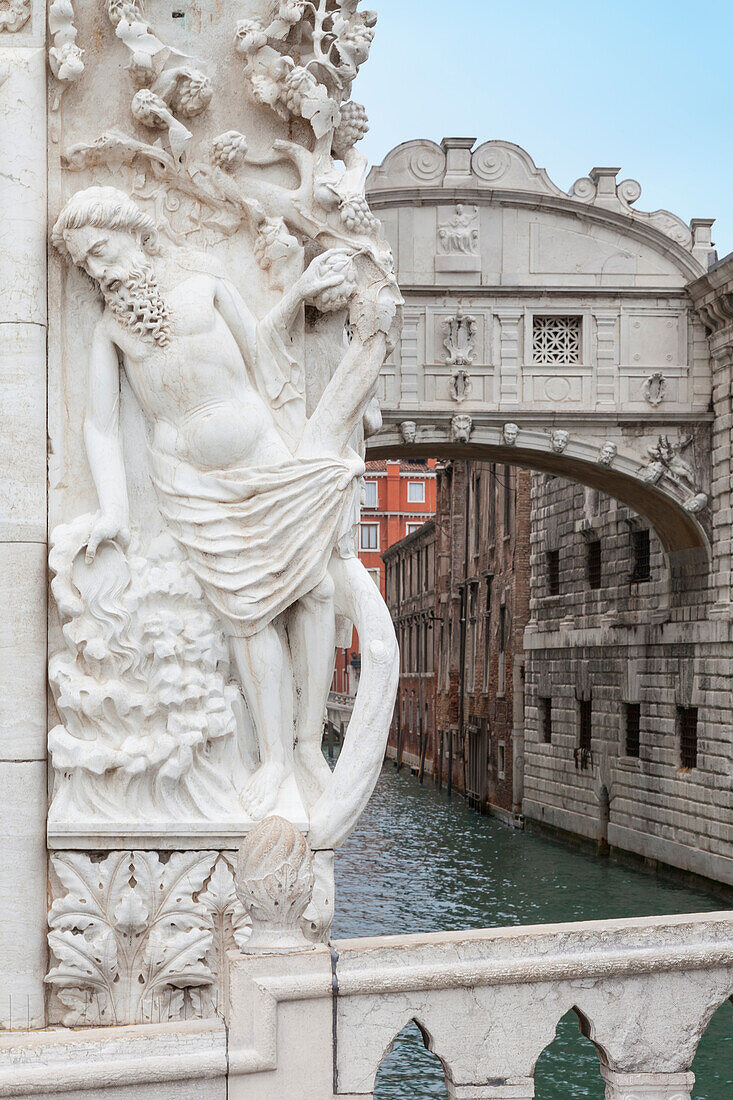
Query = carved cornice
x=712 y=297
x=423 y=173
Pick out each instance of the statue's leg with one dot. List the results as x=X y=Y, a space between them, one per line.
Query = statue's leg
x=312 y=631
x=265 y=673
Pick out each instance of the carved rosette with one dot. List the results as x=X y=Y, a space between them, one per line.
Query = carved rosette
x=14 y=14
x=274 y=882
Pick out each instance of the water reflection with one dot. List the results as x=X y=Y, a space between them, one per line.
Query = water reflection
x=419 y=863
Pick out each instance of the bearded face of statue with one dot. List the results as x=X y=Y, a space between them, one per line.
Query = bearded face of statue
x=116 y=261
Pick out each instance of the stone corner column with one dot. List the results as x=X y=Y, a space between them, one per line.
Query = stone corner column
x=647 y=1086
x=23 y=783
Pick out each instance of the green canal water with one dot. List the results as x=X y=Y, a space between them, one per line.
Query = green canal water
x=421 y=863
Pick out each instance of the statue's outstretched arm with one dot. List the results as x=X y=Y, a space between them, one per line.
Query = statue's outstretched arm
x=103 y=444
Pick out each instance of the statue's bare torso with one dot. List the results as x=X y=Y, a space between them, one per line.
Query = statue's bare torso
x=197 y=390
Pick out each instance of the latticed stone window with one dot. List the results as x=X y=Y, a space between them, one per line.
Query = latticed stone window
x=556 y=341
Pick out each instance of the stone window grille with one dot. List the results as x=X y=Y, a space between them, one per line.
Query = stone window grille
x=641 y=545
x=546 y=712
x=687 y=726
x=595 y=557
x=633 y=727
x=556 y=341
x=553 y=572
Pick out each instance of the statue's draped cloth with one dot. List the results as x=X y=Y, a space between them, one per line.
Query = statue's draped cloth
x=257 y=538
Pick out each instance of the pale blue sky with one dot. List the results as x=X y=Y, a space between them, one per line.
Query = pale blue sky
x=647 y=85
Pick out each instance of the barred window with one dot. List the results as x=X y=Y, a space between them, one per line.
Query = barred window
x=687 y=726
x=546 y=712
x=586 y=725
x=633 y=726
x=556 y=341
x=553 y=572
x=595 y=571
x=642 y=557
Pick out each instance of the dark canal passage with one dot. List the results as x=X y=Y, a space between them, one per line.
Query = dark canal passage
x=421 y=863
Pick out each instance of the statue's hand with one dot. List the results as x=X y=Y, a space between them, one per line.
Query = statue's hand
x=107 y=528
x=327 y=272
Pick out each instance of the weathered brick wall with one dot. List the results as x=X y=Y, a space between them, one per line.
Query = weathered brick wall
x=471 y=508
x=650 y=643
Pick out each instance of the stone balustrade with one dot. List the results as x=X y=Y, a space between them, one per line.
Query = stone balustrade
x=487 y=1004
x=316 y=1024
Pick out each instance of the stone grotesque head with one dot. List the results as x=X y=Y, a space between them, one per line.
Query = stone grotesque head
x=510 y=433
x=559 y=441
x=461 y=427
x=607 y=457
x=408 y=431
x=107 y=236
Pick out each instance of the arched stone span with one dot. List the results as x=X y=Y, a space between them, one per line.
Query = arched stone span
x=664 y=507
x=566 y=313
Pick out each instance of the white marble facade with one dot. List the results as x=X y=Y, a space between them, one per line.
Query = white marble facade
x=207 y=415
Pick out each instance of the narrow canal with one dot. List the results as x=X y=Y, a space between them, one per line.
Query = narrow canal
x=421 y=863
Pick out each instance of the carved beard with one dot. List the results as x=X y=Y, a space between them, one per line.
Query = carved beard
x=138 y=304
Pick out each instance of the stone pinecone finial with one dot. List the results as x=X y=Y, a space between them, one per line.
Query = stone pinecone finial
x=274 y=883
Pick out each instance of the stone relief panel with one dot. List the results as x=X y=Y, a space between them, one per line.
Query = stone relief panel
x=136 y=938
x=459 y=241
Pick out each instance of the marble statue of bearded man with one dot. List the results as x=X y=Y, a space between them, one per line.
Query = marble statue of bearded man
x=257 y=495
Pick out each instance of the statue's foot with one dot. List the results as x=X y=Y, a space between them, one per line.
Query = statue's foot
x=259 y=797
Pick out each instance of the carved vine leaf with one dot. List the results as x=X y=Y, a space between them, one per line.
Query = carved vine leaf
x=128 y=936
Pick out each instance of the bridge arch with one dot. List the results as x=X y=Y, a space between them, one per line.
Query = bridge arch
x=666 y=507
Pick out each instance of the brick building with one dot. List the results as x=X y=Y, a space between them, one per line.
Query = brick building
x=398 y=498
x=481 y=606
x=410 y=593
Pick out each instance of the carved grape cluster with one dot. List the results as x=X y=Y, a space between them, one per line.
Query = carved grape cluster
x=229 y=150
x=356 y=215
x=354 y=125
x=298 y=86
x=337 y=297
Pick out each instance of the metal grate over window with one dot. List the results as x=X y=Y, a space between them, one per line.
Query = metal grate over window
x=633 y=727
x=642 y=557
x=556 y=341
x=687 y=724
x=553 y=572
x=546 y=711
x=595 y=572
x=586 y=725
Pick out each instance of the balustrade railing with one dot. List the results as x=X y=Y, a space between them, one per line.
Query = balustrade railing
x=488 y=1003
